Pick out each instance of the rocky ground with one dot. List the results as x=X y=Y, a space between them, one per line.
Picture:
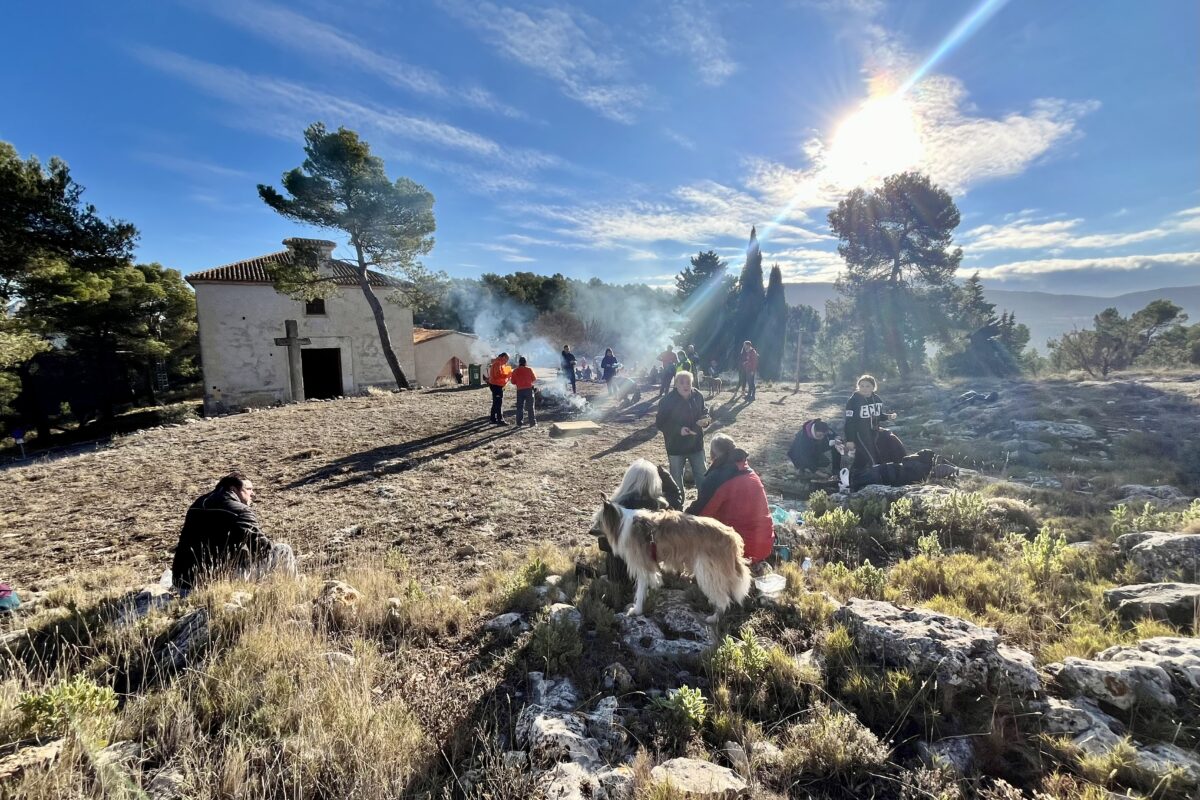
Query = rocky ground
x=967 y=657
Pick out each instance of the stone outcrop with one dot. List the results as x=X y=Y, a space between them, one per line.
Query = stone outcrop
x=1161 y=497
x=337 y=605
x=1176 y=656
x=1121 y=684
x=703 y=780
x=1177 y=603
x=1060 y=430
x=959 y=653
x=674 y=629
x=1167 y=556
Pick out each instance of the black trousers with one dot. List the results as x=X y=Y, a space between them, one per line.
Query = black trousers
x=525 y=405
x=497 y=402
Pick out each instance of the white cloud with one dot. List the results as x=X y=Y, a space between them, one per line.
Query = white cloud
x=692 y=30
x=1025 y=232
x=320 y=41
x=284 y=109
x=1131 y=263
x=567 y=46
x=679 y=139
x=191 y=166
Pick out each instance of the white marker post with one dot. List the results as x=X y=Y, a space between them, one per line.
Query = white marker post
x=19 y=437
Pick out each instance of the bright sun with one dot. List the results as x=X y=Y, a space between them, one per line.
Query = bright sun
x=879 y=139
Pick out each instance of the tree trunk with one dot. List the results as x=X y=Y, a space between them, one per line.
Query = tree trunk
x=385 y=339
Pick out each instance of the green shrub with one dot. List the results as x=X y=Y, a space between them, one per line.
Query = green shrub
x=76 y=702
x=1042 y=557
x=831 y=745
x=685 y=708
x=556 y=645
x=901 y=520
x=819 y=503
x=741 y=661
x=871 y=579
x=929 y=547
x=839 y=650
x=959 y=518
x=884 y=699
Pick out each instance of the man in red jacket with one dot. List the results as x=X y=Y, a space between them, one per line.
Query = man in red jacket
x=523 y=378
x=733 y=493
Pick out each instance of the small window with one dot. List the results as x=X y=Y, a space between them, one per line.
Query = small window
x=315 y=307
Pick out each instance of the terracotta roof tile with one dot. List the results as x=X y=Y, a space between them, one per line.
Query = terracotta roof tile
x=257 y=270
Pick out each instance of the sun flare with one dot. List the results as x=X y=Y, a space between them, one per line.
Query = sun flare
x=879 y=139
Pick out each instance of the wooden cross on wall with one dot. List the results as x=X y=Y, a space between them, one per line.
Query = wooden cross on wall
x=293 y=342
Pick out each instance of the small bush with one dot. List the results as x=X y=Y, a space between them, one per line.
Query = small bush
x=1042 y=558
x=819 y=503
x=741 y=661
x=74 y=703
x=959 y=518
x=839 y=650
x=686 y=706
x=556 y=645
x=831 y=745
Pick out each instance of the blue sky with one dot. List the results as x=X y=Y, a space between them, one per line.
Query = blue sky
x=615 y=139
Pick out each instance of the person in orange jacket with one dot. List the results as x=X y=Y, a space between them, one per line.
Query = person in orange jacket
x=523 y=378
x=498 y=377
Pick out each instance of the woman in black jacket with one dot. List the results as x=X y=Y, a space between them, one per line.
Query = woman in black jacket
x=864 y=412
x=681 y=418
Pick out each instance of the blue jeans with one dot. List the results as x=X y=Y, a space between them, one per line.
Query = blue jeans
x=525 y=404
x=676 y=463
x=750 y=384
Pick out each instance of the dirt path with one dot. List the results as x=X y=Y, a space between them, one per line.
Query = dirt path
x=421 y=472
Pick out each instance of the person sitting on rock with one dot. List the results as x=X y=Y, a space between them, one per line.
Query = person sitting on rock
x=864 y=412
x=221 y=536
x=815 y=446
x=732 y=493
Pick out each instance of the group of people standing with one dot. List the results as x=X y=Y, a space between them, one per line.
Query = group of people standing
x=686 y=360
x=609 y=366
x=522 y=378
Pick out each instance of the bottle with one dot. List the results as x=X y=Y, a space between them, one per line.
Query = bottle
x=806 y=564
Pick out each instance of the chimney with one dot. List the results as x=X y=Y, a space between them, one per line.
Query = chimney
x=323 y=247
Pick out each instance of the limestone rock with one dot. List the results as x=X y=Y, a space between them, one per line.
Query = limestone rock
x=765 y=752
x=138 y=605
x=125 y=754
x=557 y=695
x=187 y=639
x=512 y=622
x=1059 y=430
x=1169 y=557
x=166 y=785
x=13 y=766
x=337 y=605
x=1119 y=684
x=1136 y=496
x=959 y=653
x=1082 y=721
x=956 y=754
x=1178 y=657
x=675 y=630
x=560 y=612
x=552 y=736
x=617 y=677
x=575 y=781
x=1177 y=603
x=339 y=660
x=737 y=758
x=705 y=780
x=1161 y=759
x=603 y=724
x=1127 y=541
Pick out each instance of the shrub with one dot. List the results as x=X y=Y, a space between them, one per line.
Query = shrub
x=884 y=699
x=839 y=650
x=830 y=745
x=556 y=644
x=959 y=518
x=685 y=708
x=1042 y=557
x=871 y=579
x=741 y=661
x=929 y=547
x=819 y=503
x=74 y=703
x=901 y=520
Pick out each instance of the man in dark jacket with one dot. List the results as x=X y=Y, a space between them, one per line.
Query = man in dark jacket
x=681 y=418
x=567 y=366
x=814 y=446
x=221 y=533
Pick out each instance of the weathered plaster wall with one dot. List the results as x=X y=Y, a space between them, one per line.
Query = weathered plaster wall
x=244 y=367
x=432 y=355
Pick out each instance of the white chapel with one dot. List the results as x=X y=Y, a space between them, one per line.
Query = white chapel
x=241 y=315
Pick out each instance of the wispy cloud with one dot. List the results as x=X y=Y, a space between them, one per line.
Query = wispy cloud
x=693 y=31
x=320 y=41
x=1026 y=232
x=958 y=147
x=283 y=108
x=190 y=166
x=1131 y=263
x=679 y=139
x=507 y=253
x=565 y=45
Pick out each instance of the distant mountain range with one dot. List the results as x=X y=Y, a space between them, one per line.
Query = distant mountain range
x=1047 y=315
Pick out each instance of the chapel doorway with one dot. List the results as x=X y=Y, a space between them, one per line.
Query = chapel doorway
x=322 y=368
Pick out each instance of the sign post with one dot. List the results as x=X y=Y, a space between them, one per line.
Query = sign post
x=18 y=436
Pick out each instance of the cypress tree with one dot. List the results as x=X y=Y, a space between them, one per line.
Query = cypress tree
x=772 y=324
x=749 y=300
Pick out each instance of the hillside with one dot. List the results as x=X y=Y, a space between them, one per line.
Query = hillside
x=1048 y=315
x=438 y=660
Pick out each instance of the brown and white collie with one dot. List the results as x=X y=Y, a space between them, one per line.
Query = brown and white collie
x=704 y=548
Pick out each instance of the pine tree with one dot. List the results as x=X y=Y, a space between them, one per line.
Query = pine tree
x=772 y=324
x=702 y=269
x=750 y=297
x=704 y=287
